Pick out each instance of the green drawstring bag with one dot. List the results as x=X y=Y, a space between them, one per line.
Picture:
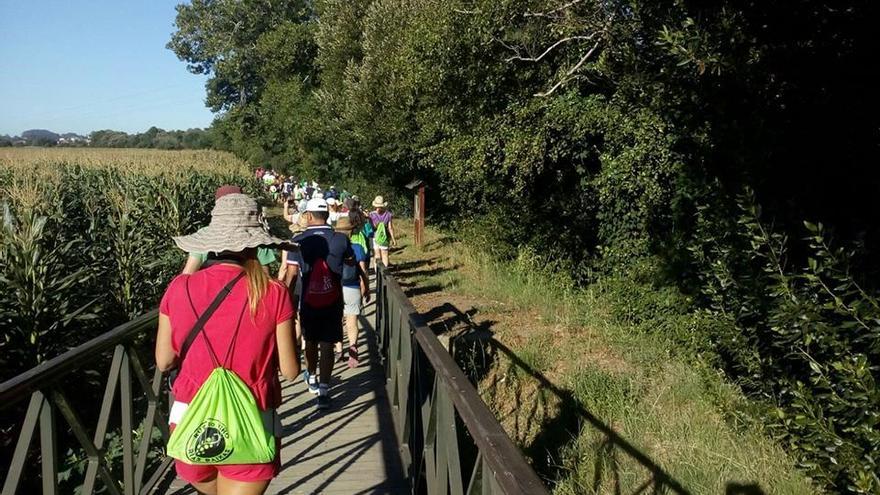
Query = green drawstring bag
x=222 y=424
x=381 y=235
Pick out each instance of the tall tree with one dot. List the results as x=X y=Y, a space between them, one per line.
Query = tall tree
x=220 y=38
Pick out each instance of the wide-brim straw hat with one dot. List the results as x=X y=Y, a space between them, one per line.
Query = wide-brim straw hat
x=380 y=202
x=343 y=225
x=300 y=225
x=235 y=226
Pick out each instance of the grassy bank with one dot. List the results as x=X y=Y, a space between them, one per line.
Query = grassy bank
x=596 y=405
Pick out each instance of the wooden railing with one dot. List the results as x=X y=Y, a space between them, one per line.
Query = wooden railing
x=52 y=389
x=451 y=441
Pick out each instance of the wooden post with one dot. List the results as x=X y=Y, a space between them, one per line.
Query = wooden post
x=419 y=217
x=418 y=211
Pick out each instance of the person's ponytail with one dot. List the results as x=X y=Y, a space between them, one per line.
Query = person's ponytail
x=258 y=283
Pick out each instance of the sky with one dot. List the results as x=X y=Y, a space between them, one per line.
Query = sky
x=81 y=66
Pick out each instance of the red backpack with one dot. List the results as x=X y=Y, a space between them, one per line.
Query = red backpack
x=323 y=289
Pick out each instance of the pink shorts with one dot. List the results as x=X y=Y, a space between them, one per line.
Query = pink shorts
x=192 y=473
x=238 y=472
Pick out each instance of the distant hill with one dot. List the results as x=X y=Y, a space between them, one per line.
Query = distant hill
x=44 y=137
x=40 y=135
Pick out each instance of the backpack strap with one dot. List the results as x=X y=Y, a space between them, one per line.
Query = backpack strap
x=204 y=317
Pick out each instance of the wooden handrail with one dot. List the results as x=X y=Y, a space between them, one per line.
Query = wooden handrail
x=50 y=403
x=512 y=473
x=21 y=386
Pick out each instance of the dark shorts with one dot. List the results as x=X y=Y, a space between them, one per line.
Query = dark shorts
x=323 y=324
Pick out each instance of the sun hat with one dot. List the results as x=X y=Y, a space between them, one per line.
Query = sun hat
x=316 y=204
x=300 y=225
x=235 y=226
x=332 y=202
x=343 y=225
x=226 y=189
x=379 y=202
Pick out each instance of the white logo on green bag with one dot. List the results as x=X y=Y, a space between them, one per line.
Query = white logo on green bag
x=209 y=443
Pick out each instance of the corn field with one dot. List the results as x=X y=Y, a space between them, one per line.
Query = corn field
x=85 y=239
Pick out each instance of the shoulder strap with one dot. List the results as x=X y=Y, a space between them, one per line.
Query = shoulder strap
x=200 y=323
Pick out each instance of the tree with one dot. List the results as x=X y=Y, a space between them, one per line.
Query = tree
x=220 y=38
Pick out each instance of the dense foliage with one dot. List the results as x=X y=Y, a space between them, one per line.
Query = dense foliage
x=190 y=139
x=629 y=142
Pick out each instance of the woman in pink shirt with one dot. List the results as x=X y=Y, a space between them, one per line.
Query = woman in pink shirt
x=251 y=331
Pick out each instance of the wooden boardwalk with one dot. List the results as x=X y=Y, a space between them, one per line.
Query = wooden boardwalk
x=350 y=449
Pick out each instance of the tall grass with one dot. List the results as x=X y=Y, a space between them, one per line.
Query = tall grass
x=571 y=358
x=85 y=240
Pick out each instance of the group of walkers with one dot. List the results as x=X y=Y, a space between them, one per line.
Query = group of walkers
x=227 y=327
x=284 y=188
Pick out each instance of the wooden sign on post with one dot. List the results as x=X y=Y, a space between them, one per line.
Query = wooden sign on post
x=418 y=186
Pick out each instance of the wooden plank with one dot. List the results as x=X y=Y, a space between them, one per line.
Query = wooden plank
x=127 y=425
x=149 y=424
x=19 y=456
x=49 y=448
x=103 y=419
x=79 y=431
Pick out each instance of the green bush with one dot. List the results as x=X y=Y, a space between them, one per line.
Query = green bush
x=805 y=339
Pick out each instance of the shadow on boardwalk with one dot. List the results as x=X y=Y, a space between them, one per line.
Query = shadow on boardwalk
x=350 y=449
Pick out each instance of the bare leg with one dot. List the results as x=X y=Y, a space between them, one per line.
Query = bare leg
x=351 y=324
x=208 y=487
x=299 y=336
x=384 y=257
x=227 y=486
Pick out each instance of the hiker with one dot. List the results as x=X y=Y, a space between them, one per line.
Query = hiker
x=298 y=193
x=383 y=230
x=296 y=227
x=355 y=284
x=230 y=315
x=286 y=189
x=268 y=178
x=353 y=204
x=291 y=210
x=320 y=257
x=197 y=260
x=333 y=208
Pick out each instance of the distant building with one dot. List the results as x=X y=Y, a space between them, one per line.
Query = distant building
x=69 y=140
